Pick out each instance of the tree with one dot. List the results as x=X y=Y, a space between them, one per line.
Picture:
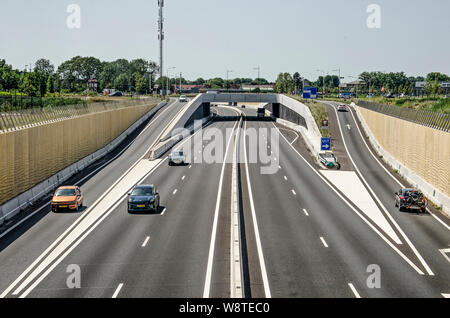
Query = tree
x=9 y=78
x=51 y=84
x=437 y=77
x=28 y=84
x=216 y=82
x=122 y=82
x=284 y=84
x=44 y=66
x=298 y=81
x=141 y=83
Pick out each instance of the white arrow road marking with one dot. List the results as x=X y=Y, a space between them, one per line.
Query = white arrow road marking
x=349 y=127
x=324 y=242
x=146 y=241
x=119 y=288
x=355 y=292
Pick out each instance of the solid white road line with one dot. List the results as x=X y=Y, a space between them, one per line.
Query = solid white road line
x=444 y=252
x=146 y=241
x=116 y=293
x=87 y=176
x=418 y=270
x=324 y=242
x=306 y=212
x=255 y=225
x=416 y=252
x=355 y=292
x=207 y=287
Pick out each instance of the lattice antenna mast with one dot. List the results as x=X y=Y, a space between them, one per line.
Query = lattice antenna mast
x=161 y=35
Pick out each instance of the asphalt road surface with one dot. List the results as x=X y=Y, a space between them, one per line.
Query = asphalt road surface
x=304 y=232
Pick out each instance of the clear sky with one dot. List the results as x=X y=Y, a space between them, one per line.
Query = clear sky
x=204 y=38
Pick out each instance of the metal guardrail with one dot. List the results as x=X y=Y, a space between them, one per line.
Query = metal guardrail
x=433 y=120
x=16 y=120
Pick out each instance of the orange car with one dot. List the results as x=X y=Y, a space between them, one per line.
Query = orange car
x=67 y=198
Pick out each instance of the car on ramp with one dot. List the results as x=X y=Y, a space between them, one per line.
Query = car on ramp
x=177 y=158
x=411 y=199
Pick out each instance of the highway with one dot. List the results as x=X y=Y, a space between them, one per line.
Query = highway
x=305 y=233
x=314 y=245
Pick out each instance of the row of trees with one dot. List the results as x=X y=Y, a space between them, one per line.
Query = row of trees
x=73 y=75
x=397 y=83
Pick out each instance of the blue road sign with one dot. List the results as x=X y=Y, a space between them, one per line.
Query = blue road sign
x=310 y=93
x=326 y=144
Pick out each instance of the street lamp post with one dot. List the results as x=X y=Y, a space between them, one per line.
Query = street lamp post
x=339 y=71
x=167 y=87
x=259 y=76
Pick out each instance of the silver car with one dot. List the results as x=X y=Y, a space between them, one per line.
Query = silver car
x=177 y=157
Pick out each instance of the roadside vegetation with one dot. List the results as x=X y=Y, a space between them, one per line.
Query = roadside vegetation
x=319 y=112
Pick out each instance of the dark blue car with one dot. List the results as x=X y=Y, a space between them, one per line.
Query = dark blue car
x=143 y=198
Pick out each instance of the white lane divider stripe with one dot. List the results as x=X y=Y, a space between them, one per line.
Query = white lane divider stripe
x=355 y=292
x=146 y=241
x=255 y=225
x=163 y=212
x=119 y=288
x=175 y=192
x=184 y=177
x=285 y=178
x=324 y=242
x=293 y=192
x=446 y=295
x=212 y=246
x=306 y=212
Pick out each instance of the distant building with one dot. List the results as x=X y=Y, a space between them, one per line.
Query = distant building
x=263 y=88
x=92 y=85
x=353 y=86
x=419 y=88
x=189 y=89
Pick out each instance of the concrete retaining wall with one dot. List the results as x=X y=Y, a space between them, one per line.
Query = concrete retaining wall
x=14 y=206
x=420 y=154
